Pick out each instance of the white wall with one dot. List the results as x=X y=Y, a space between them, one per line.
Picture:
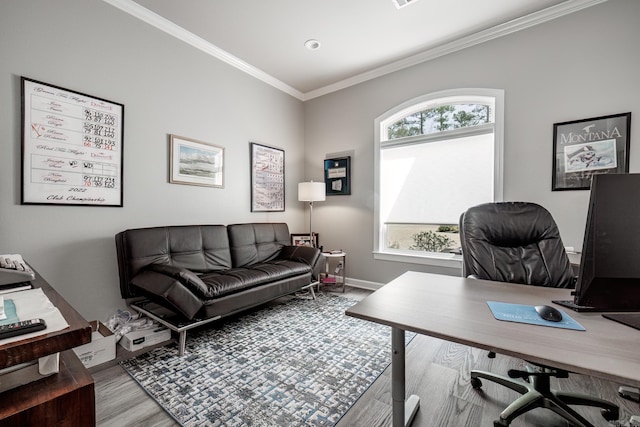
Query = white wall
x=575 y=67
x=167 y=87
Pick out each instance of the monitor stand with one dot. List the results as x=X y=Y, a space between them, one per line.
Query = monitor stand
x=569 y=303
x=585 y=308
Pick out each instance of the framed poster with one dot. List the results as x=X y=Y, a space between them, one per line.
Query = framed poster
x=337 y=176
x=71 y=147
x=302 y=239
x=196 y=163
x=267 y=178
x=583 y=148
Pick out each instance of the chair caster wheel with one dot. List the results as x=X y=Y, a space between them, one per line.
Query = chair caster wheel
x=610 y=415
x=500 y=423
x=476 y=383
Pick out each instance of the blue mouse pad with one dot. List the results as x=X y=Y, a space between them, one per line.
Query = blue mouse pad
x=527 y=314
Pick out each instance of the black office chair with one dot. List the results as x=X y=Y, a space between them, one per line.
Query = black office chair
x=519 y=242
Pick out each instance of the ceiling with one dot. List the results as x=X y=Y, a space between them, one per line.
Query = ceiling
x=360 y=39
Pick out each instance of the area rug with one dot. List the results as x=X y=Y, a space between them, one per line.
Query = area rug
x=296 y=363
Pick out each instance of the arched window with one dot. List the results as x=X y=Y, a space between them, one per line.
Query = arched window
x=436 y=155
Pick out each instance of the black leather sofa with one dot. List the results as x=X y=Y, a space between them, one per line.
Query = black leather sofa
x=205 y=272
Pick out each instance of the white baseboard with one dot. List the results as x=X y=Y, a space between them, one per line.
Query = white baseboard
x=363 y=284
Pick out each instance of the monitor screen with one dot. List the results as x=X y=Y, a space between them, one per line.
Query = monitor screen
x=609 y=277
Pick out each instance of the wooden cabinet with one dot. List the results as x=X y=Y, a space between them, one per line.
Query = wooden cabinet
x=66 y=398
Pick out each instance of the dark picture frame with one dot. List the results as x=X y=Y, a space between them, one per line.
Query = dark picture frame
x=72 y=147
x=302 y=239
x=337 y=176
x=587 y=147
x=267 y=178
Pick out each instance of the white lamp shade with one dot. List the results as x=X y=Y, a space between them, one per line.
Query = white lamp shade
x=311 y=191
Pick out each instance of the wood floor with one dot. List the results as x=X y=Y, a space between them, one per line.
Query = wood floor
x=437 y=371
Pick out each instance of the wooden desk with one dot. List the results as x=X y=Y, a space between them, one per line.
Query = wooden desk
x=62 y=399
x=78 y=333
x=455 y=309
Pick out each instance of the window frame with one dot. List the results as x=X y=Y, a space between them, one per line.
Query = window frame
x=434 y=99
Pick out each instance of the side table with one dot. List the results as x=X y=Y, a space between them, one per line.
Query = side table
x=340 y=267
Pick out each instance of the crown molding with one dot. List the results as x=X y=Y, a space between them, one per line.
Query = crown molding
x=501 y=30
x=536 y=18
x=163 y=24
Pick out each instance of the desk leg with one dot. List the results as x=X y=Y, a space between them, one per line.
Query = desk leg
x=403 y=412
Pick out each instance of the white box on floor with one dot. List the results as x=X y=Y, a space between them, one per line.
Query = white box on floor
x=135 y=340
x=102 y=347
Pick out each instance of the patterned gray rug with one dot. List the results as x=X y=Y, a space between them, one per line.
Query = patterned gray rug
x=297 y=363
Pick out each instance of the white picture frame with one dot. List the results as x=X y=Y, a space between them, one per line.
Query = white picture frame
x=196 y=162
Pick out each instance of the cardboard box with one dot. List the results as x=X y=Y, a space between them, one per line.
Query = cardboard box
x=102 y=347
x=135 y=340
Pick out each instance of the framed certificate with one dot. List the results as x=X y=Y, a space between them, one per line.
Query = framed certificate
x=71 y=147
x=267 y=178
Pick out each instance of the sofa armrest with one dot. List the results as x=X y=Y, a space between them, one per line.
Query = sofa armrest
x=182 y=275
x=167 y=290
x=305 y=254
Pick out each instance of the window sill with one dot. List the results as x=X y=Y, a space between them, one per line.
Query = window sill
x=440 y=260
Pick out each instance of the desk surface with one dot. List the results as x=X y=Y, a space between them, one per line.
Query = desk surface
x=78 y=333
x=455 y=309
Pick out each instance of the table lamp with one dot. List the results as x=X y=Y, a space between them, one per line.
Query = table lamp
x=311 y=192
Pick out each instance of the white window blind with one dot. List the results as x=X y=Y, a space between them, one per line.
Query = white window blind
x=435 y=182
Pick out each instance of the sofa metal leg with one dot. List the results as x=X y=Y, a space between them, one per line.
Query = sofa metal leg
x=179 y=327
x=182 y=342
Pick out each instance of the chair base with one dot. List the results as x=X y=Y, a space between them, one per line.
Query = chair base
x=538 y=394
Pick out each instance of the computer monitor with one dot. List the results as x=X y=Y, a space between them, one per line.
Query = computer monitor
x=609 y=277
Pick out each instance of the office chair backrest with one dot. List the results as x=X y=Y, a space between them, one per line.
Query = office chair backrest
x=515 y=242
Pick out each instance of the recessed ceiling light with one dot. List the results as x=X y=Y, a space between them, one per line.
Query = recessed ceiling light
x=312 y=44
x=402 y=3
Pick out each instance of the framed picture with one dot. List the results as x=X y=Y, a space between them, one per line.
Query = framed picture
x=302 y=239
x=196 y=162
x=583 y=148
x=267 y=178
x=337 y=176
x=71 y=147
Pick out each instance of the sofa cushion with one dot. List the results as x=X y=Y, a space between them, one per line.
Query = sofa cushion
x=255 y=243
x=242 y=300
x=196 y=247
x=200 y=247
x=236 y=279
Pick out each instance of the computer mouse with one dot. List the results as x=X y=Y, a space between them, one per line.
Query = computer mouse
x=549 y=313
